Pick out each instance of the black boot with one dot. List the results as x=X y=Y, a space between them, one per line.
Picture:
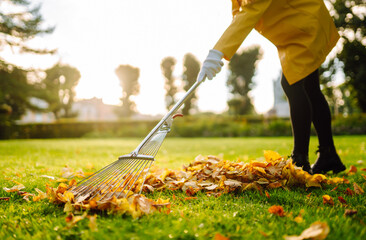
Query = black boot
x=301 y=160
x=328 y=160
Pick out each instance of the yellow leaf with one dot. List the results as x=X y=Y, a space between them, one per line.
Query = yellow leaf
x=328 y=200
x=271 y=156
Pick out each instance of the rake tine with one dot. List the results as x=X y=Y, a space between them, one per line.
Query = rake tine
x=119 y=176
x=99 y=178
x=142 y=184
x=124 y=187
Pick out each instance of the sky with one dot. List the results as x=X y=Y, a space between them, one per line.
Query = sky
x=97 y=36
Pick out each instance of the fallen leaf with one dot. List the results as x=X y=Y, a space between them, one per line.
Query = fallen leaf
x=358 y=190
x=317 y=230
x=277 y=210
x=189 y=198
x=298 y=219
x=267 y=194
x=328 y=200
x=352 y=170
x=342 y=200
x=349 y=192
x=218 y=236
x=49 y=177
x=15 y=188
x=263 y=233
x=350 y=212
x=62 y=180
x=4 y=198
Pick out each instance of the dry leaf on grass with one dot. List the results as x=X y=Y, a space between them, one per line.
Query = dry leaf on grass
x=342 y=200
x=350 y=212
x=211 y=174
x=352 y=170
x=328 y=200
x=277 y=210
x=358 y=189
x=15 y=188
x=317 y=230
x=218 y=236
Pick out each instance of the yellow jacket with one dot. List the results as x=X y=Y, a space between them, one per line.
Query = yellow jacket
x=302 y=31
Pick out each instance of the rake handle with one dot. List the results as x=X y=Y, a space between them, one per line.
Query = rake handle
x=174 y=109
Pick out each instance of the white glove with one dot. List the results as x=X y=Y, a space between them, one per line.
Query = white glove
x=212 y=65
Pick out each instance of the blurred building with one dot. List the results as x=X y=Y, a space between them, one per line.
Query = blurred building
x=88 y=110
x=280 y=106
x=94 y=110
x=37 y=116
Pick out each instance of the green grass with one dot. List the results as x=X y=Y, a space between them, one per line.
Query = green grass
x=234 y=215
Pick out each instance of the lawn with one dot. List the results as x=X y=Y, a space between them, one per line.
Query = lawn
x=236 y=215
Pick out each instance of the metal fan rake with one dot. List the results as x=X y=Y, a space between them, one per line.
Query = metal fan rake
x=128 y=174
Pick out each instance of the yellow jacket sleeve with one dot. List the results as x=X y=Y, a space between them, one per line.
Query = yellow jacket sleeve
x=240 y=27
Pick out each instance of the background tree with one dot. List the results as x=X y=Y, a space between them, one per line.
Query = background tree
x=350 y=19
x=242 y=67
x=59 y=89
x=128 y=77
x=167 y=68
x=19 y=23
x=14 y=93
x=191 y=69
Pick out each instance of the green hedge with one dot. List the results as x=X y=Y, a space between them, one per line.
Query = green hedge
x=191 y=126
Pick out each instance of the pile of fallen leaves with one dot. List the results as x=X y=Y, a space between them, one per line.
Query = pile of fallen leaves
x=210 y=174
x=216 y=176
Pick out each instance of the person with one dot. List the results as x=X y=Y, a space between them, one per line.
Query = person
x=304 y=34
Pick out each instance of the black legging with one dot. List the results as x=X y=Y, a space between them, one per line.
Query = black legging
x=308 y=104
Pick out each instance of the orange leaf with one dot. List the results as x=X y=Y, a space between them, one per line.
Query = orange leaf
x=267 y=194
x=4 y=198
x=189 y=198
x=277 y=210
x=352 y=170
x=263 y=233
x=218 y=236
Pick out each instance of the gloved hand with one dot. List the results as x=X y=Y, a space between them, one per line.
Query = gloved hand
x=212 y=65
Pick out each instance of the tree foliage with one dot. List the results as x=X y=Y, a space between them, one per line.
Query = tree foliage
x=191 y=69
x=19 y=23
x=14 y=92
x=350 y=18
x=128 y=77
x=240 y=81
x=59 y=89
x=167 y=68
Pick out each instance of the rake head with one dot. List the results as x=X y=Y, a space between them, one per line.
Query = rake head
x=124 y=176
x=119 y=179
